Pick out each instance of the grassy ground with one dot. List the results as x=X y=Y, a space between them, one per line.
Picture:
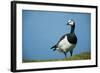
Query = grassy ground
x=81 y=56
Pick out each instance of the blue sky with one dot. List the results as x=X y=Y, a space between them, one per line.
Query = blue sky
x=42 y=29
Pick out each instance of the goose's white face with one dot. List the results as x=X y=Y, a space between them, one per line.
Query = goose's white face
x=70 y=22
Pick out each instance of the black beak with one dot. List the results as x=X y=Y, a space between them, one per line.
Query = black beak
x=67 y=23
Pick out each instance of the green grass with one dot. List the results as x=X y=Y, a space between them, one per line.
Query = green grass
x=81 y=56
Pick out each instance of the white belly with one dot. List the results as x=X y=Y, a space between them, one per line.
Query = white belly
x=65 y=46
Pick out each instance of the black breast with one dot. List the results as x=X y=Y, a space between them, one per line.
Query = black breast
x=72 y=38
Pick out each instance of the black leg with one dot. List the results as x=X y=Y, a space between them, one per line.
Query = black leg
x=65 y=54
x=71 y=52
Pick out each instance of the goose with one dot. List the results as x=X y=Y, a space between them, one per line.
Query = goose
x=68 y=41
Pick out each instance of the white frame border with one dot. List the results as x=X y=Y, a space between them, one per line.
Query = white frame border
x=37 y=65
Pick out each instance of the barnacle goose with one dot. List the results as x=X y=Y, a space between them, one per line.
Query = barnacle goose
x=68 y=41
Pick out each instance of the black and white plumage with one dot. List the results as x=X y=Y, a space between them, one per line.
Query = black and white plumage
x=68 y=41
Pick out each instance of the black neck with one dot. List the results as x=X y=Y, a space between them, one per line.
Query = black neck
x=72 y=29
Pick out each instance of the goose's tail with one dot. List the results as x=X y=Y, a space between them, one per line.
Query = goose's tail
x=53 y=47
